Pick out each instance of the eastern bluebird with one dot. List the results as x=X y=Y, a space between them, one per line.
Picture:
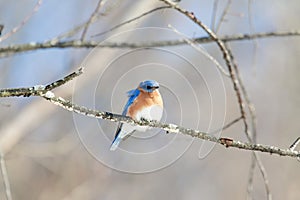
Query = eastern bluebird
x=144 y=102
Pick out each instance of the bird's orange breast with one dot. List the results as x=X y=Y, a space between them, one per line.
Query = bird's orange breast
x=144 y=100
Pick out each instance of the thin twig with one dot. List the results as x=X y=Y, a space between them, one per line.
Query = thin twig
x=294 y=145
x=73 y=31
x=38 y=89
x=238 y=81
x=252 y=113
x=64 y=80
x=201 y=50
x=1 y=28
x=69 y=33
x=131 y=20
x=214 y=15
x=251 y=178
x=92 y=18
x=224 y=13
x=77 y=28
x=255 y=43
x=5 y=177
x=227 y=125
x=264 y=175
x=23 y=22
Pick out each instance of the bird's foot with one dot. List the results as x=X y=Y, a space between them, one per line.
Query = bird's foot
x=144 y=119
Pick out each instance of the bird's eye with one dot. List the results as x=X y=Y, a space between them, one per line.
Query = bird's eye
x=149 y=87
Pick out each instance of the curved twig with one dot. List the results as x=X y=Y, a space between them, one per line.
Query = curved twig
x=131 y=20
x=227 y=56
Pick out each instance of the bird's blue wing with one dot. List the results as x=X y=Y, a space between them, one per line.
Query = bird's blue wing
x=132 y=95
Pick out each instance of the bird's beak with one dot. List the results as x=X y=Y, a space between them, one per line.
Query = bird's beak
x=155 y=87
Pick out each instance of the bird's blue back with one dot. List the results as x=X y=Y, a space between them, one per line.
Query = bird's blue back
x=132 y=95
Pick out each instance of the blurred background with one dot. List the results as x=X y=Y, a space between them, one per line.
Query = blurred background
x=52 y=153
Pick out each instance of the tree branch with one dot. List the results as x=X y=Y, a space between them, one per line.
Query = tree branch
x=41 y=91
x=1 y=28
x=18 y=48
x=5 y=177
x=92 y=18
x=23 y=22
x=228 y=58
x=131 y=20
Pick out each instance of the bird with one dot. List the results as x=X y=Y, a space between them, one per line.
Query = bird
x=144 y=102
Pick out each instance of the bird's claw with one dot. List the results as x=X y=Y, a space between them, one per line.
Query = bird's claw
x=143 y=119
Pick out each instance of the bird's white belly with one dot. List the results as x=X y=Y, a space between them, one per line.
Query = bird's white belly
x=150 y=113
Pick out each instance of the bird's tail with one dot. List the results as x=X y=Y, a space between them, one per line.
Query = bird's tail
x=115 y=143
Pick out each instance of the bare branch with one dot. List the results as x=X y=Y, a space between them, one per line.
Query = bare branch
x=171 y=128
x=251 y=178
x=227 y=56
x=223 y=49
x=13 y=49
x=201 y=50
x=253 y=136
x=38 y=89
x=131 y=20
x=294 y=145
x=264 y=175
x=227 y=125
x=5 y=177
x=214 y=15
x=251 y=109
x=224 y=13
x=77 y=28
x=168 y=127
x=64 y=80
x=23 y=22
x=1 y=28
x=92 y=18
x=48 y=95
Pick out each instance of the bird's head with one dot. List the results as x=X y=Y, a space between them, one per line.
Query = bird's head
x=149 y=85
